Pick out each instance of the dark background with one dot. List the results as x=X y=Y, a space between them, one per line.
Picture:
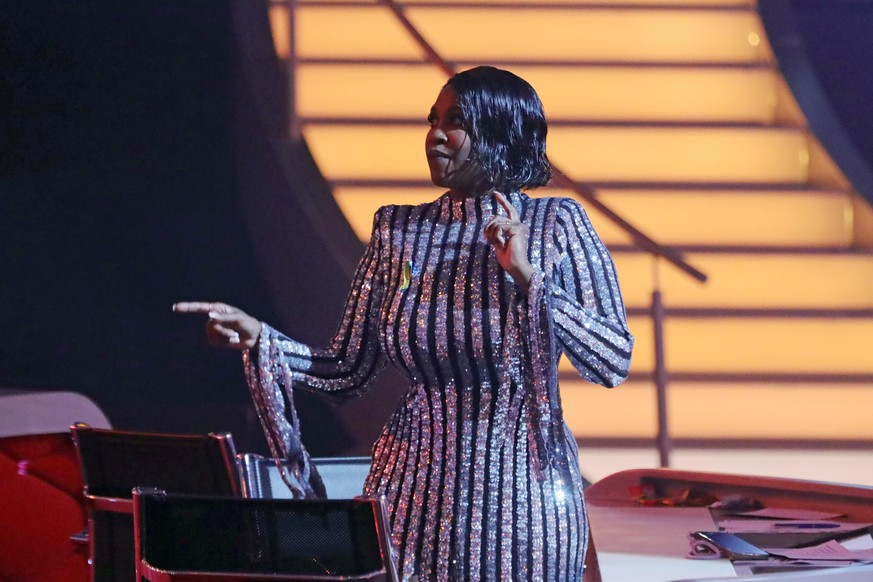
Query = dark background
x=140 y=165
x=825 y=51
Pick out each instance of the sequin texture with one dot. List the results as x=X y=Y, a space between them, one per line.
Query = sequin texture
x=478 y=468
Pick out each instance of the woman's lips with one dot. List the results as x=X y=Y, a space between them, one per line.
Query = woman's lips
x=437 y=154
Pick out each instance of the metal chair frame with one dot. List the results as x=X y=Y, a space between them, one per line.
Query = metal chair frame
x=148 y=571
x=102 y=503
x=258 y=476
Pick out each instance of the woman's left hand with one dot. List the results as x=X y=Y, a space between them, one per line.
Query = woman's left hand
x=508 y=235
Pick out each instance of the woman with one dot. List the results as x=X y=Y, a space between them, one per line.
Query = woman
x=474 y=296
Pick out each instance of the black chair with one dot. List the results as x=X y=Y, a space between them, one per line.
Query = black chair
x=114 y=462
x=343 y=477
x=197 y=538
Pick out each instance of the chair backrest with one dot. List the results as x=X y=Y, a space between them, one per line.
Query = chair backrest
x=343 y=477
x=113 y=462
x=213 y=538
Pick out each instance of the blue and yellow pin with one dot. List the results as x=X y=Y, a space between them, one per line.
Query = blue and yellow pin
x=408 y=272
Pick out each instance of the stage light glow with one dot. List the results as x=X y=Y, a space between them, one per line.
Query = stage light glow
x=640 y=126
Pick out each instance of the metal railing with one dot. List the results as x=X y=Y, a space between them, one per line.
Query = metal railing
x=559 y=178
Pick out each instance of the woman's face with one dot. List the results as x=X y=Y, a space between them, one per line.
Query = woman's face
x=448 y=144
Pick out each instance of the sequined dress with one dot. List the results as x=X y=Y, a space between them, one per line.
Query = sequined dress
x=479 y=471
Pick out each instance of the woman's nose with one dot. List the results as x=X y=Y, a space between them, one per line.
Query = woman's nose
x=436 y=135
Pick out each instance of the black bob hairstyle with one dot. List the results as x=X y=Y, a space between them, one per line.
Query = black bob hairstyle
x=504 y=117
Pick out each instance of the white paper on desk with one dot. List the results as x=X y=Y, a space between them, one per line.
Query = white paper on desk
x=830 y=550
x=783 y=513
x=861 y=542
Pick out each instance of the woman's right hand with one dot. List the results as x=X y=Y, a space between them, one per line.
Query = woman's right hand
x=227 y=326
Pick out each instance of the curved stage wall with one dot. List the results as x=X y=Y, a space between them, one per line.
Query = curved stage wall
x=824 y=51
x=139 y=167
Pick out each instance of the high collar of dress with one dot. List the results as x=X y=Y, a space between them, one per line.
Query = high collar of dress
x=485 y=205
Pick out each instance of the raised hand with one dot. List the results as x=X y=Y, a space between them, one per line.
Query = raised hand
x=227 y=326
x=508 y=235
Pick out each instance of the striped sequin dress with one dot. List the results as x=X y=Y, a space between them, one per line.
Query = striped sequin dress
x=480 y=474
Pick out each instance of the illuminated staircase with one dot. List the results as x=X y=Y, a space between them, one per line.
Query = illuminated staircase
x=674 y=111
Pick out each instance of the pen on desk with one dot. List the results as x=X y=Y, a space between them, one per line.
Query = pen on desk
x=807 y=525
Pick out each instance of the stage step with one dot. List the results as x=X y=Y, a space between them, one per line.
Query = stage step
x=699 y=409
x=743 y=216
x=682 y=154
x=750 y=343
x=753 y=154
x=728 y=216
x=762 y=280
x=628 y=93
x=597 y=33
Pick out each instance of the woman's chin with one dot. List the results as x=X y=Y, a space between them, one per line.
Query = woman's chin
x=439 y=180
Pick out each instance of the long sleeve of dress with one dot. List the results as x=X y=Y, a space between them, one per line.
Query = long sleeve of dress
x=350 y=361
x=575 y=308
x=585 y=301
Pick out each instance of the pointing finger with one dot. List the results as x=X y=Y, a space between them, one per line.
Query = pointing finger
x=511 y=212
x=202 y=307
x=192 y=307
